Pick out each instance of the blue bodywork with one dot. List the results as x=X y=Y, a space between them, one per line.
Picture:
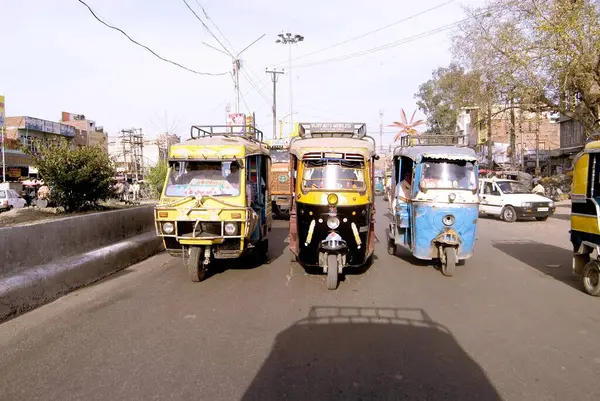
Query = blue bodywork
x=419 y=225
x=427 y=226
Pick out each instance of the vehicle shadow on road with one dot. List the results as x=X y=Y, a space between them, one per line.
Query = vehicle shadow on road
x=277 y=246
x=550 y=260
x=348 y=353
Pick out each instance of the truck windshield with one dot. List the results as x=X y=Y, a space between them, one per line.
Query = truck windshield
x=340 y=175
x=449 y=174
x=280 y=156
x=212 y=178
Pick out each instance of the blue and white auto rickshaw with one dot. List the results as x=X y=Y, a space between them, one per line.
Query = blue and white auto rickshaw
x=435 y=208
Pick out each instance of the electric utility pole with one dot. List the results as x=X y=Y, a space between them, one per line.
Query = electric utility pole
x=237 y=66
x=274 y=77
x=289 y=39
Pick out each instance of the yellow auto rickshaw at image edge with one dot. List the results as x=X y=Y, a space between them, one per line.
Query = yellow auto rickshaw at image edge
x=585 y=214
x=215 y=202
x=333 y=210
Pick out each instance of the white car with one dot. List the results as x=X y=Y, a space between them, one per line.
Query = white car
x=10 y=199
x=510 y=200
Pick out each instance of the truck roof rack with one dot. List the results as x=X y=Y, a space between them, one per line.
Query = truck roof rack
x=249 y=132
x=332 y=130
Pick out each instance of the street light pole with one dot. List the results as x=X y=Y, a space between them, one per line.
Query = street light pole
x=289 y=39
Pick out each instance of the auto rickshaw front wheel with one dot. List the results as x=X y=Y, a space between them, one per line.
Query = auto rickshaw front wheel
x=192 y=259
x=332 y=271
x=449 y=261
x=591 y=278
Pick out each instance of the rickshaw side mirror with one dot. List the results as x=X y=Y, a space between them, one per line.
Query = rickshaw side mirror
x=422 y=187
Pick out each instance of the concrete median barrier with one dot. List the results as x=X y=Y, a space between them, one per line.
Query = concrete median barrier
x=40 y=262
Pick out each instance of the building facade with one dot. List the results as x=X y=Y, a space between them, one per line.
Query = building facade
x=25 y=132
x=88 y=133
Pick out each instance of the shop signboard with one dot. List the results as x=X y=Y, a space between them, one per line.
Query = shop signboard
x=13 y=172
x=37 y=124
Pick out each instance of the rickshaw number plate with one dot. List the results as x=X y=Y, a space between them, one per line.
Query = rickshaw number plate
x=542 y=209
x=282 y=202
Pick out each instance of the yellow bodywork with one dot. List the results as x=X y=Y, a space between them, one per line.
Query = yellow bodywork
x=580 y=222
x=207 y=209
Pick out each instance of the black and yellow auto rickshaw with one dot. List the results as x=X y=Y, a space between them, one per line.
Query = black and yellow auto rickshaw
x=585 y=229
x=332 y=213
x=216 y=199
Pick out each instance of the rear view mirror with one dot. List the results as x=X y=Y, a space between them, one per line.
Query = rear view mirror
x=422 y=187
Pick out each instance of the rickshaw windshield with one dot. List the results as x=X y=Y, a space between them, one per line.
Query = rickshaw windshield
x=448 y=174
x=333 y=175
x=280 y=156
x=512 y=187
x=214 y=178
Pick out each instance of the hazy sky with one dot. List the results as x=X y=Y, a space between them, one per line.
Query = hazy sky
x=57 y=57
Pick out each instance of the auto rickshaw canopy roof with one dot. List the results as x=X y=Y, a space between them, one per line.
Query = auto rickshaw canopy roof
x=217 y=147
x=363 y=147
x=436 y=152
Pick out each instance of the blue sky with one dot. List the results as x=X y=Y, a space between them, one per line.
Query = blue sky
x=58 y=58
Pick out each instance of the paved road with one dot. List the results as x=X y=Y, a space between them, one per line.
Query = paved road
x=512 y=324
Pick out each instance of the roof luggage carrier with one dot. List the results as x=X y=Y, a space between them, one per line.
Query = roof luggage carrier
x=333 y=130
x=250 y=132
x=434 y=140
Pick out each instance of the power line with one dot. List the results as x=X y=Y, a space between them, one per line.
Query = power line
x=207 y=28
x=255 y=86
x=372 y=32
x=215 y=25
x=383 y=47
x=146 y=47
x=395 y=43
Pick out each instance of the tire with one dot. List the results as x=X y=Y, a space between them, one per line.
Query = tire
x=591 y=278
x=509 y=214
x=194 y=264
x=392 y=248
x=449 y=267
x=332 y=272
x=542 y=218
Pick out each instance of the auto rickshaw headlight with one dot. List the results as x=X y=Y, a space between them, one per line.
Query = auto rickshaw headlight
x=168 y=228
x=332 y=199
x=448 y=220
x=230 y=228
x=333 y=222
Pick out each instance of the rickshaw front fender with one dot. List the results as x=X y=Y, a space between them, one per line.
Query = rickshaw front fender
x=429 y=231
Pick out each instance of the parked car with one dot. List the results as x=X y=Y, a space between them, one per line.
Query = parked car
x=10 y=199
x=511 y=200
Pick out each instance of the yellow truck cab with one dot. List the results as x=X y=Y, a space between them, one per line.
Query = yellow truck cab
x=281 y=190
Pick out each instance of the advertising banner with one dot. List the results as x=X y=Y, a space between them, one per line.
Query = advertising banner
x=238 y=120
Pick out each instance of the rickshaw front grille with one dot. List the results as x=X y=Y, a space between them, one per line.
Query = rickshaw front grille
x=204 y=229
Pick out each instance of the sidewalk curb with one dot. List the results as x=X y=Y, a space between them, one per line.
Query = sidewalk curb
x=42 y=284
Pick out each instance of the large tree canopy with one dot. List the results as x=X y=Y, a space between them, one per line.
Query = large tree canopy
x=539 y=54
x=442 y=97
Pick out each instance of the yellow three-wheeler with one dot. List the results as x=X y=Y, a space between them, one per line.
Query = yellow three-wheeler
x=333 y=212
x=215 y=202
